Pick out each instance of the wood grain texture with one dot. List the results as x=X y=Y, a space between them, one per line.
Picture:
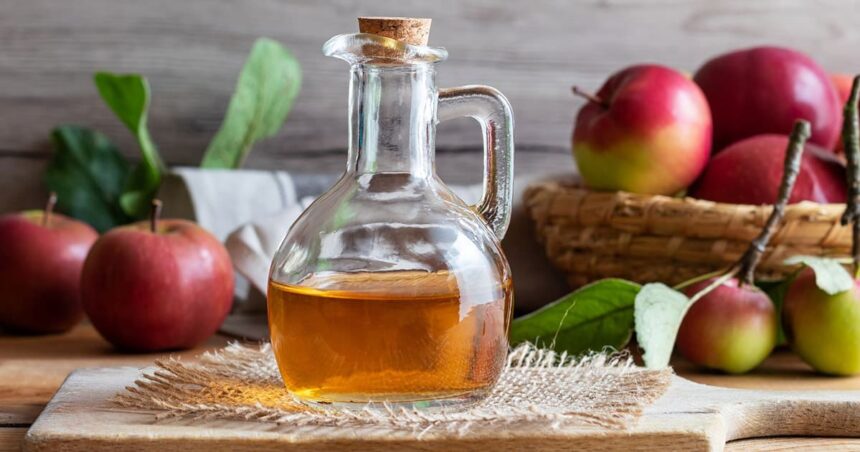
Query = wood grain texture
x=689 y=416
x=794 y=445
x=32 y=368
x=11 y=439
x=192 y=52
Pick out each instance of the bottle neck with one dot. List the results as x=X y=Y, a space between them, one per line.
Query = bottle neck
x=392 y=119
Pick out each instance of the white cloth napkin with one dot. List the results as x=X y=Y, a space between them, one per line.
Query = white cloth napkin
x=222 y=200
x=251 y=212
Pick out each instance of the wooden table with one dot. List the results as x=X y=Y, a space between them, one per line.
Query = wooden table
x=32 y=368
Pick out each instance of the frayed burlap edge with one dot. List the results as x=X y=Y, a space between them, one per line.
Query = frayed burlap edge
x=240 y=382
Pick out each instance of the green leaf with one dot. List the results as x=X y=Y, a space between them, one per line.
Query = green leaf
x=127 y=95
x=87 y=172
x=591 y=318
x=830 y=275
x=267 y=86
x=659 y=310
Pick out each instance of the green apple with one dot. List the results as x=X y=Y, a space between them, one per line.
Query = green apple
x=824 y=329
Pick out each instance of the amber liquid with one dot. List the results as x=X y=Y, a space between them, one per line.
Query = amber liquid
x=396 y=336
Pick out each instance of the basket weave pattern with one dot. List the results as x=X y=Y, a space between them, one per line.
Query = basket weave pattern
x=592 y=235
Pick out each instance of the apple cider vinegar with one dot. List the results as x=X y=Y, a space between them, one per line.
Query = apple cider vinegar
x=389 y=336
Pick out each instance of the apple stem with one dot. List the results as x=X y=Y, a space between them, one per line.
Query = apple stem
x=851 y=144
x=49 y=208
x=154 y=215
x=750 y=259
x=593 y=98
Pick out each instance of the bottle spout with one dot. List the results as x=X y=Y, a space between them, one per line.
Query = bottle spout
x=386 y=41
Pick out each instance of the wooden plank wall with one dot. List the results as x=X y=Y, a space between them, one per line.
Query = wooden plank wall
x=192 y=50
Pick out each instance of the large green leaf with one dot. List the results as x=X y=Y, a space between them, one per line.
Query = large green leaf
x=128 y=96
x=88 y=174
x=596 y=316
x=265 y=91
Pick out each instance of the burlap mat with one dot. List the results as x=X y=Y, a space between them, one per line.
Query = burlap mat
x=242 y=383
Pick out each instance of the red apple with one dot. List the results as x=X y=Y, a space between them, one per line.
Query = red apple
x=764 y=90
x=842 y=83
x=749 y=172
x=157 y=286
x=733 y=328
x=823 y=329
x=41 y=257
x=647 y=130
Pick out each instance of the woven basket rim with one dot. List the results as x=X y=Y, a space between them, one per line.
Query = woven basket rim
x=571 y=185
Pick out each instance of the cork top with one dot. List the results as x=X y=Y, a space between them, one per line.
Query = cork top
x=409 y=30
x=386 y=41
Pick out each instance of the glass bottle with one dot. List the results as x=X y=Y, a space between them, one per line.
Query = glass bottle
x=389 y=287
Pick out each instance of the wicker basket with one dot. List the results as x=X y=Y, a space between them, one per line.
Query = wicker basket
x=591 y=235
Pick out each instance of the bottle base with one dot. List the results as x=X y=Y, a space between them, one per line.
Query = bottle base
x=423 y=402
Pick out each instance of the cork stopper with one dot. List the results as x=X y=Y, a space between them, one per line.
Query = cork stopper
x=409 y=30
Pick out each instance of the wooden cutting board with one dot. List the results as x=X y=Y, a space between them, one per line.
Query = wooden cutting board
x=689 y=416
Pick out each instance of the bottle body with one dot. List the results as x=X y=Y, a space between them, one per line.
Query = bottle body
x=389 y=288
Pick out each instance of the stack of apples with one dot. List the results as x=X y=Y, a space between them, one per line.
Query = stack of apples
x=722 y=136
x=149 y=286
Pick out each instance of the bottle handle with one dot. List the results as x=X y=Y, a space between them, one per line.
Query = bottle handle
x=493 y=112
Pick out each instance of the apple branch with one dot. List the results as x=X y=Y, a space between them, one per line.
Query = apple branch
x=750 y=259
x=593 y=98
x=851 y=144
x=154 y=215
x=49 y=208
